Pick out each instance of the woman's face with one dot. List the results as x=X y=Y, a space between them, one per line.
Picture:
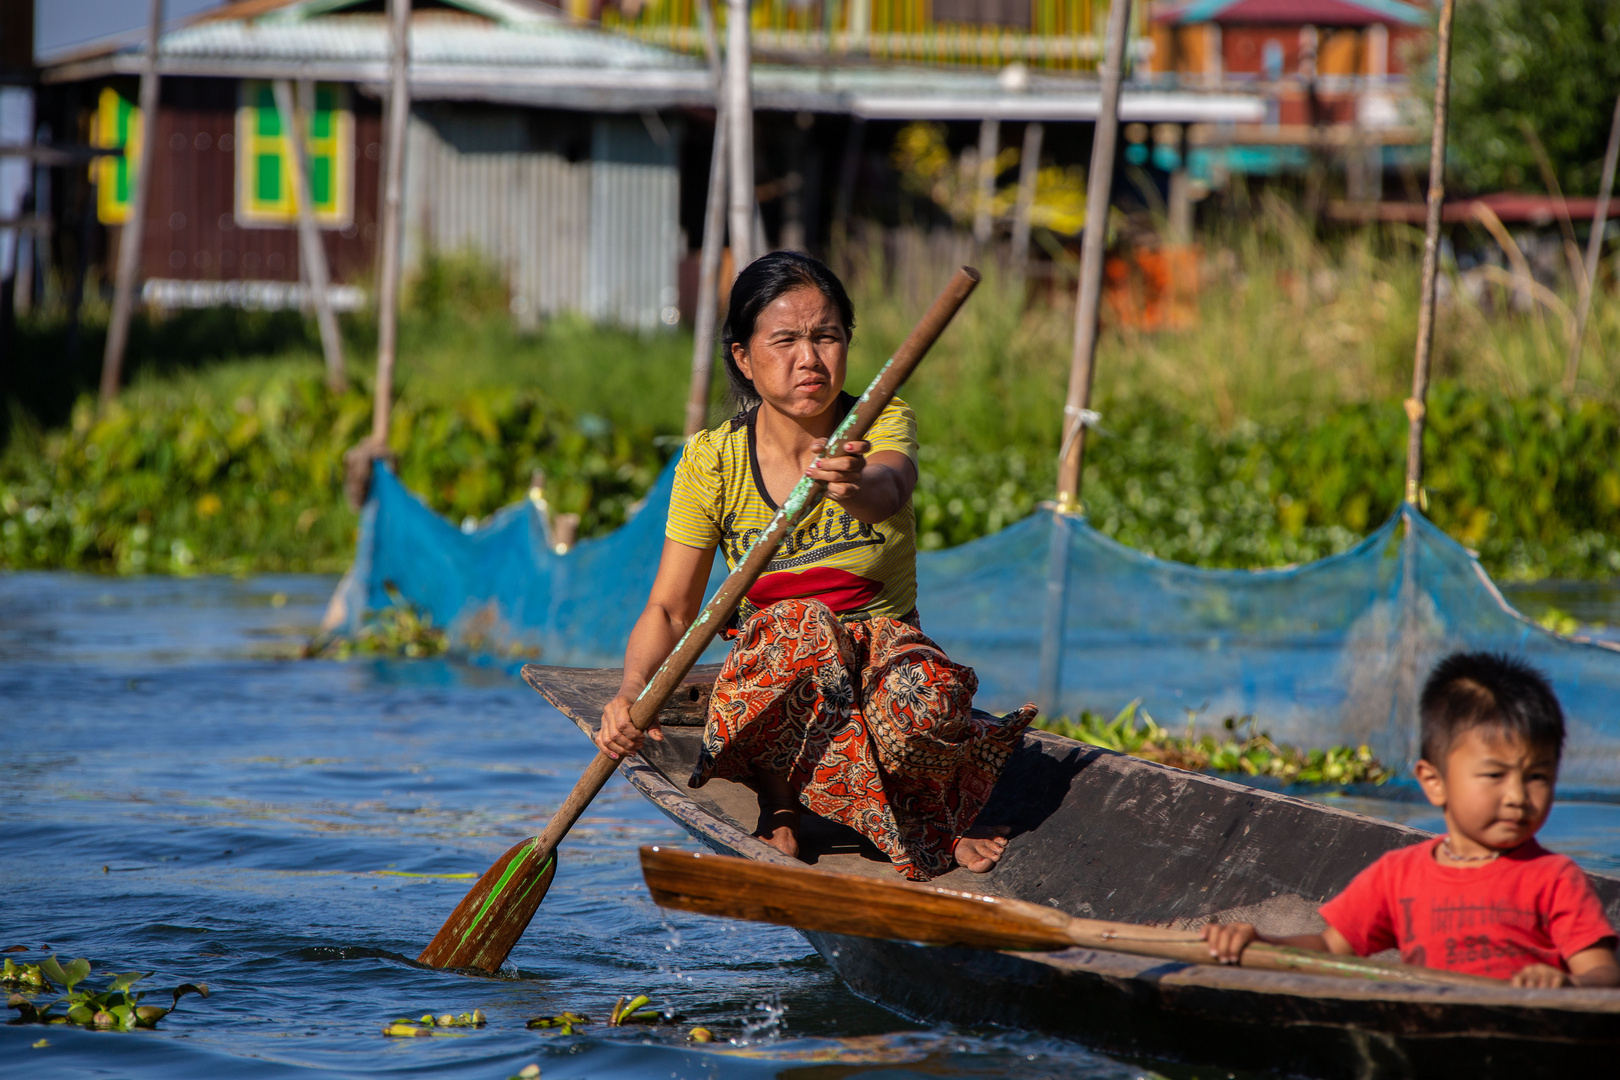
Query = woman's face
x=798 y=353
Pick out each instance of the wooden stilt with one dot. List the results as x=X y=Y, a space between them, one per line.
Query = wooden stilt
x=985 y=190
x=295 y=121
x=129 y=243
x=1416 y=404
x=739 y=109
x=1029 y=165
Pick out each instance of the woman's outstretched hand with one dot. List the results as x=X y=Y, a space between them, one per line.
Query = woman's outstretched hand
x=618 y=735
x=841 y=470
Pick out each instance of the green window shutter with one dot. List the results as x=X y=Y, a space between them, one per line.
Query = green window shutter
x=267 y=117
x=268 y=168
x=320 y=180
x=122 y=172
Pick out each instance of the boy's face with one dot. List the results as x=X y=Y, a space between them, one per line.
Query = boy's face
x=1496 y=790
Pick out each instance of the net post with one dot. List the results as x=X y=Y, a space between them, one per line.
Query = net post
x=1071 y=453
x=1416 y=405
x=1594 y=248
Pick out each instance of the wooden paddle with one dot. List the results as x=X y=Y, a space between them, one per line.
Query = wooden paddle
x=901 y=911
x=489 y=920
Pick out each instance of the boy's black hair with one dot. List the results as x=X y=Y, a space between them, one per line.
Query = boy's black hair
x=1481 y=689
x=761 y=282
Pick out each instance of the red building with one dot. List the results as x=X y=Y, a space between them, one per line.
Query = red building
x=1318 y=61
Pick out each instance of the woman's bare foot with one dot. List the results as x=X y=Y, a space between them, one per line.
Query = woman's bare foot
x=779 y=827
x=778 y=814
x=980 y=849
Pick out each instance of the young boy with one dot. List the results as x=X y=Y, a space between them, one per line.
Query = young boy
x=1484 y=898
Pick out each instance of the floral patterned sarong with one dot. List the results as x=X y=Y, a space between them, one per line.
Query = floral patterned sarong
x=868 y=721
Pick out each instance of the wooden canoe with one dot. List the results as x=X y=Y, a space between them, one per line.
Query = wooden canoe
x=1108 y=836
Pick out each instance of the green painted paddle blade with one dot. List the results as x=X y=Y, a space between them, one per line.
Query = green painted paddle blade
x=487 y=923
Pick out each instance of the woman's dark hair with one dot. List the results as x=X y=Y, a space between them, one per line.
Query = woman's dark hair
x=761 y=282
x=1489 y=690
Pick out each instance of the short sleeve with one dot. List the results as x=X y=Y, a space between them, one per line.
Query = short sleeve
x=895 y=429
x=1575 y=918
x=1362 y=913
x=694 y=504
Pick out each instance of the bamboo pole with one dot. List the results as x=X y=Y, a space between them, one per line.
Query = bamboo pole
x=358 y=461
x=1415 y=405
x=294 y=121
x=739 y=108
x=1092 y=246
x=714 y=234
x=1029 y=164
x=129 y=244
x=1075 y=411
x=399 y=112
x=1594 y=247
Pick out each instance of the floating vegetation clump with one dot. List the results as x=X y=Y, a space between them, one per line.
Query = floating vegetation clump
x=563 y=1023
x=400 y=629
x=113 y=1007
x=1238 y=749
x=428 y=1024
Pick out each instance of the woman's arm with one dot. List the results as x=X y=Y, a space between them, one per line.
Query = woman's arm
x=675 y=600
x=871 y=488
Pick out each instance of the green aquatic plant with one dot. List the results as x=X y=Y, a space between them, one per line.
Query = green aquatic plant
x=115 y=1007
x=1239 y=749
x=401 y=629
x=563 y=1023
x=428 y=1024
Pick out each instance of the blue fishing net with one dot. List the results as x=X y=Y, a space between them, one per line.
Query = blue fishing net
x=1331 y=652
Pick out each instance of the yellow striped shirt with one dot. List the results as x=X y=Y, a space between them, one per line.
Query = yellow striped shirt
x=859 y=570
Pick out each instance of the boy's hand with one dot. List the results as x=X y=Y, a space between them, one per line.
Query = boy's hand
x=1228 y=940
x=1540 y=977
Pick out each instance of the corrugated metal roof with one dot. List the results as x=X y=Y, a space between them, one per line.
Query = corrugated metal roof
x=547 y=62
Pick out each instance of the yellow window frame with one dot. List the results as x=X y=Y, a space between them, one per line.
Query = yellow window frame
x=264 y=184
x=116 y=124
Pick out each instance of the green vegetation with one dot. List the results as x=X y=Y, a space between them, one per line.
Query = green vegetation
x=1270 y=433
x=1241 y=750
x=1549 y=66
x=114 y=1007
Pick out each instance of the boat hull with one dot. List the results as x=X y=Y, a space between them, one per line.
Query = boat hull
x=1107 y=836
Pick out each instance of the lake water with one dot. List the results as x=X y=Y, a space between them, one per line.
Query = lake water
x=180 y=798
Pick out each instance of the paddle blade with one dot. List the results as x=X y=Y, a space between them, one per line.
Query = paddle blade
x=846 y=904
x=487 y=923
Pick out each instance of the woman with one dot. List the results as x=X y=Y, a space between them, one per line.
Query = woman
x=831 y=697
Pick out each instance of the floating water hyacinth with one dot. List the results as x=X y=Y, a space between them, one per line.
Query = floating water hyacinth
x=563 y=1023
x=428 y=1024
x=1242 y=750
x=115 y=1007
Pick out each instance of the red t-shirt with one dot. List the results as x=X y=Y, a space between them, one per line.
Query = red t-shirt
x=1528 y=907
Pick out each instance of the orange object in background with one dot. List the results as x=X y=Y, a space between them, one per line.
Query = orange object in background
x=1153 y=288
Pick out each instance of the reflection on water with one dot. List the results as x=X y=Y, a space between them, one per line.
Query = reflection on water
x=181 y=801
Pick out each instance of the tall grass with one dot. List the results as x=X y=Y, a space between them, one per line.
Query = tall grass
x=1270 y=431
x=1289 y=327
